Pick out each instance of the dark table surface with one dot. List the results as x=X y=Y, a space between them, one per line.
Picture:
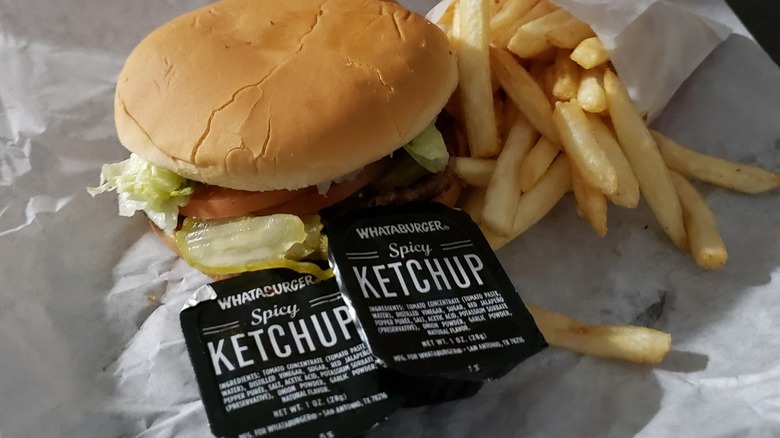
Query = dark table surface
x=762 y=19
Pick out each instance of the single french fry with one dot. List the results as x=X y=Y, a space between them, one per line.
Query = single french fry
x=581 y=146
x=627 y=193
x=510 y=112
x=446 y=18
x=509 y=14
x=641 y=151
x=590 y=53
x=714 y=170
x=473 y=171
x=591 y=203
x=536 y=163
x=707 y=246
x=526 y=94
x=590 y=93
x=501 y=37
x=545 y=194
x=503 y=191
x=534 y=205
x=628 y=343
x=566 y=82
x=531 y=38
x=471 y=43
x=570 y=34
x=454 y=30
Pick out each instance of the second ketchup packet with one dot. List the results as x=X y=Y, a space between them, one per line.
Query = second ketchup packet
x=429 y=296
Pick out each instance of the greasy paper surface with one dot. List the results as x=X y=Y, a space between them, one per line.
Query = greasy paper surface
x=89 y=338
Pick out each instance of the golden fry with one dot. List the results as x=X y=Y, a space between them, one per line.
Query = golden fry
x=570 y=34
x=566 y=82
x=641 y=151
x=707 y=246
x=527 y=95
x=590 y=53
x=582 y=148
x=501 y=37
x=627 y=194
x=473 y=171
x=509 y=15
x=591 y=203
x=629 y=343
x=471 y=42
x=714 y=170
x=545 y=194
x=590 y=93
x=531 y=38
x=503 y=191
x=536 y=163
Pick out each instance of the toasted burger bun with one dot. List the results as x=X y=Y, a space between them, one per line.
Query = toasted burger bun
x=272 y=94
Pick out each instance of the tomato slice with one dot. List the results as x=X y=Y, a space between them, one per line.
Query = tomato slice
x=314 y=202
x=213 y=202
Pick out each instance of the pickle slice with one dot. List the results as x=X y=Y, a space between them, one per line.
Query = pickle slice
x=235 y=245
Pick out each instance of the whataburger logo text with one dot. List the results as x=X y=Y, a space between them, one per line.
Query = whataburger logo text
x=267 y=291
x=396 y=229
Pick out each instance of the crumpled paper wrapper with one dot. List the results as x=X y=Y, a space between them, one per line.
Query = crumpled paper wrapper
x=90 y=343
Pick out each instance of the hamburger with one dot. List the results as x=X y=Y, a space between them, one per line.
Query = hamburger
x=246 y=118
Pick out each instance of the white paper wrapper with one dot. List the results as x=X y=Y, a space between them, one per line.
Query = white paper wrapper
x=90 y=343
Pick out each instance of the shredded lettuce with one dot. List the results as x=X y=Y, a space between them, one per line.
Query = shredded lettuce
x=143 y=186
x=429 y=150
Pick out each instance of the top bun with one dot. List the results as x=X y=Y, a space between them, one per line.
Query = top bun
x=281 y=94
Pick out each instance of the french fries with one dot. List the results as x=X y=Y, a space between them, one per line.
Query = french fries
x=714 y=170
x=549 y=80
x=707 y=246
x=591 y=202
x=582 y=148
x=641 y=151
x=531 y=38
x=524 y=92
x=471 y=43
x=627 y=193
x=503 y=191
x=544 y=195
x=536 y=163
x=509 y=15
x=590 y=53
x=475 y=172
x=569 y=34
x=501 y=37
x=629 y=343
x=566 y=81
x=590 y=93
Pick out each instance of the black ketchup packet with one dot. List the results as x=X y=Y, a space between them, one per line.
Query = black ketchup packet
x=429 y=295
x=276 y=353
